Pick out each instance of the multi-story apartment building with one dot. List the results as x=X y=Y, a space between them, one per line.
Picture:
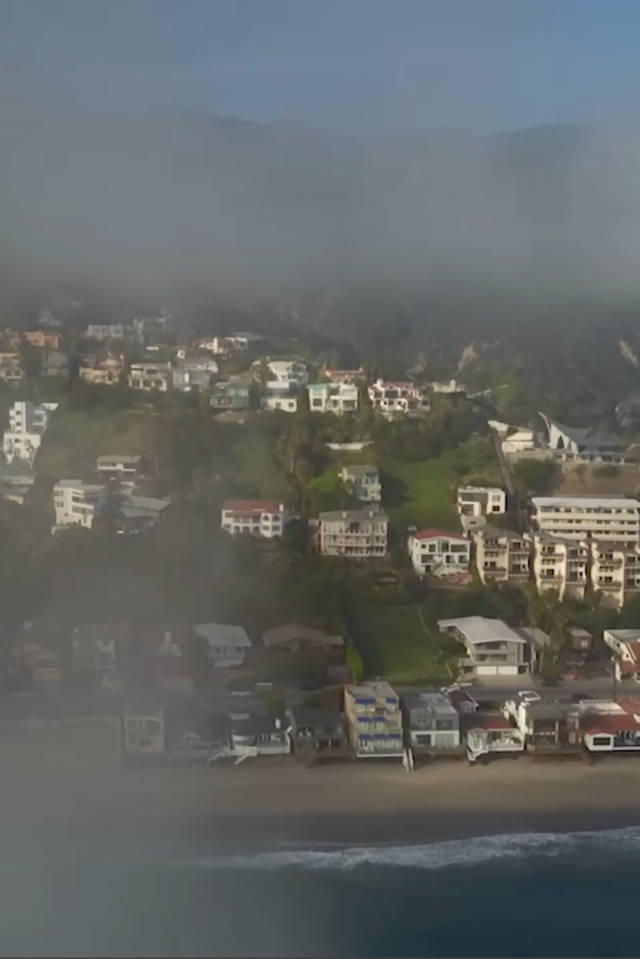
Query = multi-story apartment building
x=374 y=720
x=27 y=424
x=389 y=398
x=478 y=501
x=106 y=331
x=333 y=397
x=189 y=376
x=438 y=553
x=363 y=482
x=43 y=339
x=560 y=564
x=615 y=571
x=150 y=377
x=258 y=517
x=615 y=518
x=492 y=647
x=354 y=534
x=106 y=371
x=229 y=396
x=501 y=555
x=76 y=503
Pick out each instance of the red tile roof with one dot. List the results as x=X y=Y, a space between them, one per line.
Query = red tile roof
x=432 y=533
x=251 y=506
x=609 y=723
x=489 y=721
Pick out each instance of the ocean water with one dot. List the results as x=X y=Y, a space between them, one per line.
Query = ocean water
x=536 y=894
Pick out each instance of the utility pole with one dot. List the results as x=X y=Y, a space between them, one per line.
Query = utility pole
x=614 y=681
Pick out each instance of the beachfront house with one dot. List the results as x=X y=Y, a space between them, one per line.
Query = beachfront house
x=542 y=723
x=297 y=638
x=609 y=726
x=625 y=645
x=430 y=719
x=316 y=728
x=492 y=647
x=374 y=720
x=77 y=504
x=256 y=734
x=492 y=733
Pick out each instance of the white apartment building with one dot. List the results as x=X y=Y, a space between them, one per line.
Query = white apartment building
x=106 y=331
x=388 y=397
x=438 y=553
x=374 y=720
x=579 y=517
x=264 y=518
x=560 y=564
x=76 y=503
x=149 y=376
x=289 y=372
x=502 y=555
x=478 y=501
x=615 y=571
x=354 y=534
x=336 y=398
x=27 y=425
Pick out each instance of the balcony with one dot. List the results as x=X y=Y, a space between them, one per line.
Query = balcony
x=609 y=586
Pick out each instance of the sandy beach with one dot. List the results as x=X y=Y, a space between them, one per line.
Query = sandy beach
x=65 y=782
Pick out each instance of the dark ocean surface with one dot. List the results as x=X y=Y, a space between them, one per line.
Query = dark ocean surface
x=537 y=894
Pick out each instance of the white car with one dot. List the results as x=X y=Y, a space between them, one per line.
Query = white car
x=529 y=695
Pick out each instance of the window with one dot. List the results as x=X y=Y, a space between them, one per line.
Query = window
x=443 y=724
x=602 y=740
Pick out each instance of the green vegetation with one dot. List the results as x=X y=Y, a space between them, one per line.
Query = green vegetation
x=606 y=471
x=535 y=476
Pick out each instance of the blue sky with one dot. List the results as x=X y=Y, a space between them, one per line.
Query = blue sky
x=480 y=64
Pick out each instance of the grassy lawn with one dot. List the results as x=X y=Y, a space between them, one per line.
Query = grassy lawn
x=394 y=645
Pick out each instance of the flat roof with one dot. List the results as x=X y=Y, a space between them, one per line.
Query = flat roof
x=439 y=534
x=353 y=515
x=624 y=635
x=377 y=687
x=479 y=629
x=251 y=506
x=616 y=501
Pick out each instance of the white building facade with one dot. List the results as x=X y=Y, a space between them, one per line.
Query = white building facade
x=150 y=377
x=335 y=398
x=264 y=518
x=388 y=397
x=436 y=552
x=27 y=425
x=77 y=504
x=615 y=518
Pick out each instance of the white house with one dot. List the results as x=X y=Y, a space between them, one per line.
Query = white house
x=560 y=564
x=119 y=466
x=625 y=645
x=228 y=645
x=278 y=395
x=520 y=441
x=150 y=376
x=363 y=482
x=230 y=343
x=478 y=501
x=106 y=331
x=438 y=553
x=27 y=425
x=579 y=517
x=609 y=726
x=492 y=647
x=264 y=518
x=289 y=372
x=77 y=503
x=389 y=397
x=333 y=397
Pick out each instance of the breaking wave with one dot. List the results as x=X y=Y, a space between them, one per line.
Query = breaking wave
x=458 y=852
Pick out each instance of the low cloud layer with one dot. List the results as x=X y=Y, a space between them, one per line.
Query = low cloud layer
x=257 y=209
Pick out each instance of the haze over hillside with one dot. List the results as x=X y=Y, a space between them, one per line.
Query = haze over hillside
x=256 y=208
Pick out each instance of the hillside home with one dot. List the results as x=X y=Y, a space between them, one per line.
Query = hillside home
x=279 y=396
x=447 y=387
x=77 y=504
x=501 y=555
x=229 y=396
x=431 y=719
x=475 y=501
x=105 y=371
x=625 y=645
x=264 y=518
x=42 y=340
x=11 y=371
x=390 y=398
x=374 y=720
x=492 y=647
x=362 y=482
x=519 y=441
x=106 y=331
x=27 y=425
x=561 y=565
x=190 y=376
x=256 y=734
x=296 y=638
x=119 y=466
x=354 y=534
x=137 y=513
x=289 y=372
x=228 y=645
x=343 y=376
x=435 y=552
x=614 y=518
x=615 y=571
x=583 y=445
x=335 y=398
x=151 y=377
